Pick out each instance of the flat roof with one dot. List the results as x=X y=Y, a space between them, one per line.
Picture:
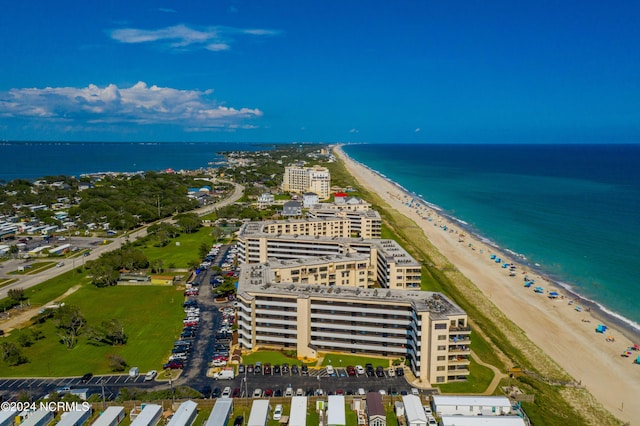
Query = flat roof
x=256 y=279
x=482 y=421
x=315 y=260
x=336 y=411
x=486 y=401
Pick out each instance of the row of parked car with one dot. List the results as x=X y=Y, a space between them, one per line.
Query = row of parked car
x=182 y=348
x=268 y=369
x=223 y=338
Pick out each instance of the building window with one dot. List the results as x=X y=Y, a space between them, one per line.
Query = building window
x=442 y=348
x=440 y=326
x=442 y=337
x=440 y=368
x=440 y=379
x=441 y=358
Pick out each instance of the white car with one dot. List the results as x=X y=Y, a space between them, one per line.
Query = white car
x=277 y=413
x=359 y=370
x=257 y=393
x=330 y=370
x=226 y=393
x=415 y=391
x=431 y=420
x=150 y=375
x=361 y=392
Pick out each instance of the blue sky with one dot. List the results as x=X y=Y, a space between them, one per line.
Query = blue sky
x=322 y=71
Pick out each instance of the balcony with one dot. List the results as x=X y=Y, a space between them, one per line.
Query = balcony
x=463 y=349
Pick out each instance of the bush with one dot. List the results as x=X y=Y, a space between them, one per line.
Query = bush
x=116 y=363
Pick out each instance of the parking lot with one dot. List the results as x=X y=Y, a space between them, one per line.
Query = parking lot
x=11 y=388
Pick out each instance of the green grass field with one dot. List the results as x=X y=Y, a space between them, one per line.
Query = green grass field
x=273 y=357
x=179 y=255
x=342 y=360
x=151 y=317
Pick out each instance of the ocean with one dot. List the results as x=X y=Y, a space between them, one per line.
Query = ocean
x=570 y=211
x=33 y=160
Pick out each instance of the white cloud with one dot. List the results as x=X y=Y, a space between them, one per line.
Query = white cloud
x=183 y=37
x=417 y=130
x=166 y=10
x=139 y=104
x=354 y=131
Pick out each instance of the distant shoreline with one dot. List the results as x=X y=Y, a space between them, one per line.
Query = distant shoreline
x=564 y=334
x=625 y=325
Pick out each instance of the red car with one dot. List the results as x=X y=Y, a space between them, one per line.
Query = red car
x=174 y=365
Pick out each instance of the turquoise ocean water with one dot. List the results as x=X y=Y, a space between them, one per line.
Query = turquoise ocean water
x=571 y=211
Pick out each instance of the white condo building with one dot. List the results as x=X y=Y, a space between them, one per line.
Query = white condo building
x=426 y=328
x=260 y=242
x=307 y=179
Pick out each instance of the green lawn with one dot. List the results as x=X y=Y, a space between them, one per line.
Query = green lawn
x=151 y=317
x=34 y=268
x=273 y=357
x=179 y=255
x=342 y=360
x=44 y=293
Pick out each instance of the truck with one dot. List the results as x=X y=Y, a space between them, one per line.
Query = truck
x=226 y=373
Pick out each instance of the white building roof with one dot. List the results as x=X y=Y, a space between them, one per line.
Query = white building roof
x=184 y=413
x=413 y=410
x=482 y=421
x=485 y=401
x=335 y=414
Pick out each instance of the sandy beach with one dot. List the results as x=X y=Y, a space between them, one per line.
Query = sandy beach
x=562 y=327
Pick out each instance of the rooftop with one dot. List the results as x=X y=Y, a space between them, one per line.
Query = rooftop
x=256 y=279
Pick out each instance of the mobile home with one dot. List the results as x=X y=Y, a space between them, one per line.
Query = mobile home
x=112 y=416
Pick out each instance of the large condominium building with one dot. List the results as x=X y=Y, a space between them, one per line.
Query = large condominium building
x=307 y=179
x=352 y=270
x=261 y=241
x=425 y=328
x=364 y=223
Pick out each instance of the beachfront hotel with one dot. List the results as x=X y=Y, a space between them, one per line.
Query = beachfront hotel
x=426 y=328
x=259 y=242
x=307 y=179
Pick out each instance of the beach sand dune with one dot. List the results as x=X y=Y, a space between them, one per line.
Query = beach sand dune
x=561 y=327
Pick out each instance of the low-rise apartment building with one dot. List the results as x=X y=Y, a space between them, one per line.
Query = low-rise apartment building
x=426 y=328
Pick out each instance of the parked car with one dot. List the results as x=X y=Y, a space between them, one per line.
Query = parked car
x=150 y=375
x=174 y=364
x=216 y=392
x=277 y=412
x=330 y=370
x=359 y=370
x=86 y=377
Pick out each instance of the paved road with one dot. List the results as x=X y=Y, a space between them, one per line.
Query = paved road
x=26 y=281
